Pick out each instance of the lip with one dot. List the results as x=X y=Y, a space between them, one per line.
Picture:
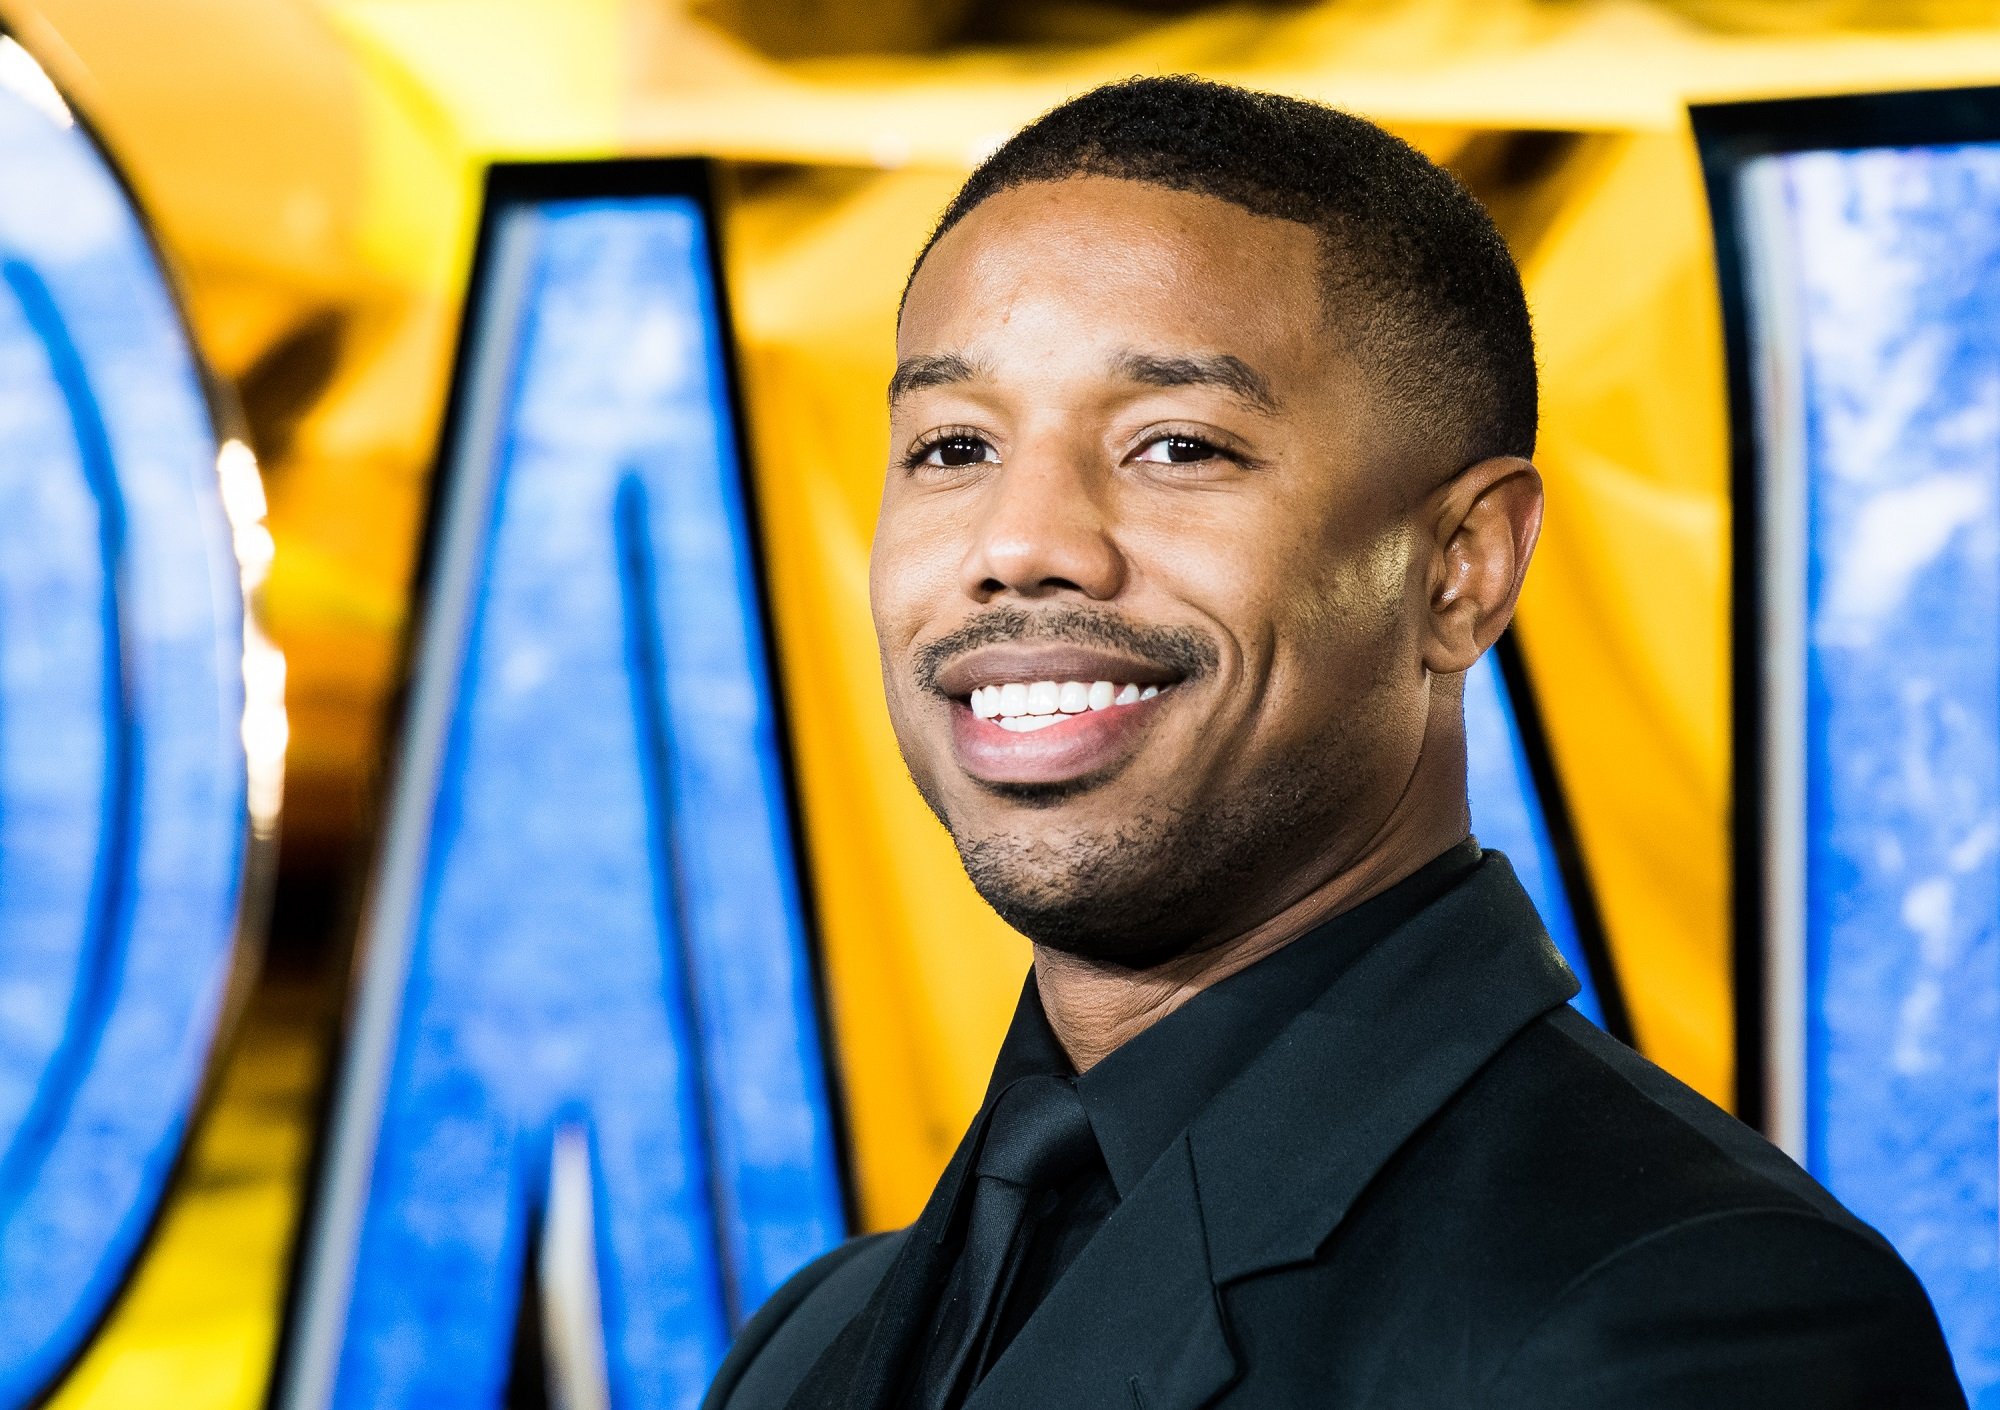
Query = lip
x=1085 y=744
x=1028 y=661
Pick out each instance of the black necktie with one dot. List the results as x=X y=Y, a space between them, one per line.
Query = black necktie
x=1037 y=1140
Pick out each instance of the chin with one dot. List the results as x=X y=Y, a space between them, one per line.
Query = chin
x=1169 y=877
x=1122 y=897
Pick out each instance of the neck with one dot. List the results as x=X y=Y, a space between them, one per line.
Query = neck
x=1094 y=1007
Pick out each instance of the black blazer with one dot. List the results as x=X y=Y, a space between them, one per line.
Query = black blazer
x=1439 y=1187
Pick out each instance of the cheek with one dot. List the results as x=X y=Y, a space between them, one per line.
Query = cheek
x=912 y=570
x=1348 y=639
x=1361 y=593
x=1305 y=595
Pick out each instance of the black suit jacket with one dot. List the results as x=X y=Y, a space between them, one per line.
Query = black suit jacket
x=1438 y=1187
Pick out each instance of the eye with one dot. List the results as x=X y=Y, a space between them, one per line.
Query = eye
x=953 y=450
x=1180 y=450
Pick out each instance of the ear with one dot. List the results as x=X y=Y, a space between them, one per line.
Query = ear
x=1485 y=522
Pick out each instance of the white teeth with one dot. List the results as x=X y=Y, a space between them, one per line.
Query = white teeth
x=1025 y=724
x=1030 y=705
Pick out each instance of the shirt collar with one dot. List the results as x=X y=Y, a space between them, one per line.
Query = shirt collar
x=1144 y=1094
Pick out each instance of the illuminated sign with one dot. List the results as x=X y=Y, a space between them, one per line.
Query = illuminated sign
x=1860 y=246
x=126 y=799
x=585 y=1083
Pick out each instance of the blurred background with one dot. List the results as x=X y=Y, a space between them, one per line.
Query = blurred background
x=312 y=172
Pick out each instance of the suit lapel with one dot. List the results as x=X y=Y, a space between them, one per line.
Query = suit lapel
x=1282 y=1154
x=1134 y=1321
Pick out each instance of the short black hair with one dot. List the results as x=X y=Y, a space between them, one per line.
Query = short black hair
x=1416 y=274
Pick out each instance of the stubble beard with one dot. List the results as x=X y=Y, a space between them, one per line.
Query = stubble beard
x=1163 y=885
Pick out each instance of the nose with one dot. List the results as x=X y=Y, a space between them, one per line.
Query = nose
x=1044 y=530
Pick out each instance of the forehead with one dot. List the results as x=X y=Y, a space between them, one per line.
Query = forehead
x=1093 y=259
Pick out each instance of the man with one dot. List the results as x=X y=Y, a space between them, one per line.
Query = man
x=1210 y=480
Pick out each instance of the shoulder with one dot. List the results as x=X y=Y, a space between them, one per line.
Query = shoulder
x=779 y=1344
x=1674 y=1255
x=1741 y=1308
x=1575 y=1228
x=1593 y=1147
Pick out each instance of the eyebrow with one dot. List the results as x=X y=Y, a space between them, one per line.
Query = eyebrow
x=1223 y=370
x=913 y=374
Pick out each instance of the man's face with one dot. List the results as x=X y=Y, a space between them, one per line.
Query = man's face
x=1149 y=579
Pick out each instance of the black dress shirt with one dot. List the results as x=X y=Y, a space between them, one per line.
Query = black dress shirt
x=1142 y=1096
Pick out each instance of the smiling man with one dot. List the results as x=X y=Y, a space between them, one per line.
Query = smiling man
x=1209 y=480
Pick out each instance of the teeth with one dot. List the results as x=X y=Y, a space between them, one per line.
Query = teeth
x=1023 y=706
x=1027 y=724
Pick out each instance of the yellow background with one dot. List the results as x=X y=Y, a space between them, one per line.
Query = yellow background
x=313 y=167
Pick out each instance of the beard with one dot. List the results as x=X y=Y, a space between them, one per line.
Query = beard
x=1173 y=877
x=1161 y=886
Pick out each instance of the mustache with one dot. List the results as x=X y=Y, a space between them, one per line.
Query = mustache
x=1187 y=653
